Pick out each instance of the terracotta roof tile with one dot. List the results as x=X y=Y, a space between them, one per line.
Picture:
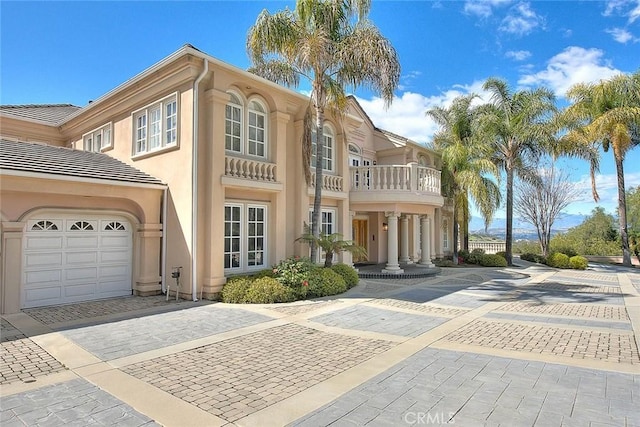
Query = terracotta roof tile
x=52 y=114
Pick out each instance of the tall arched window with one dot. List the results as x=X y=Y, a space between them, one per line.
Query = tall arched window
x=246 y=128
x=233 y=125
x=328 y=152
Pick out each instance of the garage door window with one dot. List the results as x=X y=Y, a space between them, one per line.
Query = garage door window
x=114 y=226
x=81 y=226
x=44 y=226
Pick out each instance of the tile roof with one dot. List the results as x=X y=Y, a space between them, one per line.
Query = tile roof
x=51 y=114
x=48 y=159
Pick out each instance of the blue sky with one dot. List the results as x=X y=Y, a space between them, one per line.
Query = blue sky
x=73 y=52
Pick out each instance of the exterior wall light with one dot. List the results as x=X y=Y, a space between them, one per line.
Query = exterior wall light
x=385 y=226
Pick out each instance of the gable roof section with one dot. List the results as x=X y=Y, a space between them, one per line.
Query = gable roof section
x=47 y=159
x=51 y=114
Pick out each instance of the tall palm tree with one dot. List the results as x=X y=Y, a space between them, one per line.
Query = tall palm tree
x=520 y=127
x=330 y=43
x=607 y=115
x=467 y=165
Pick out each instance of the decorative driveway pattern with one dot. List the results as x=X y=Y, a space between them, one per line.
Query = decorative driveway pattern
x=614 y=347
x=127 y=337
x=237 y=377
x=578 y=310
x=72 y=403
x=439 y=387
x=528 y=345
x=372 y=319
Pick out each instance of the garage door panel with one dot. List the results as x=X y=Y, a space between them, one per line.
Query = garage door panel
x=43 y=259
x=43 y=242
x=115 y=257
x=84 y=290
x=71 y=258
x=86 y=273
x=121 y=241
x=40 y=277
x=86 y=257
x=78 y=241
x=43 y=296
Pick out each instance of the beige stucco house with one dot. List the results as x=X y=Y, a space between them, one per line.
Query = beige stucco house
x=197 y=164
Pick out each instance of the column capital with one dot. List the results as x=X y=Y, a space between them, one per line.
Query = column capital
x=390 y=214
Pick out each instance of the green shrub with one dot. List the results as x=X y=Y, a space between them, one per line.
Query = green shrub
x=558 y=260
x=348 y=273
x=565 y=249
x=463 y=255
x=526 y=246
x=528 y=256
x=578 y=262
x=235 y=289
x=503 y=254
x=492 y=260
x=267 y=290
x=264 y=273
x=292 y=271
x=540 y=259
x=323 y=282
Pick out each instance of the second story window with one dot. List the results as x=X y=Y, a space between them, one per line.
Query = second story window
x=98 y=139
x=245 y=129
x=156 y=126
x=328 y=152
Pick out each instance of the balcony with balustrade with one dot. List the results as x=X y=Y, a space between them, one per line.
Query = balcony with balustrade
x=250 y=173
x=395 y=184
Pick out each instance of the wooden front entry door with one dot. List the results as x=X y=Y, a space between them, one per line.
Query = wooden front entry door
x=360 y=230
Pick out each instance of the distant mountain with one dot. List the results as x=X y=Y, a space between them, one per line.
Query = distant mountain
x=521 y=229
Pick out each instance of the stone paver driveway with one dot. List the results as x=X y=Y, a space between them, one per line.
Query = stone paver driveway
x=526 y=346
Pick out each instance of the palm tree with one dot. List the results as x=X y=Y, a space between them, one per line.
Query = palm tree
x=332 y=244
x=466 y=163
x=520 y=127
x=330 y=43
x=607 y=115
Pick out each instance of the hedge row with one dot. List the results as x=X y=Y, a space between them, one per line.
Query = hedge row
x=477 y=256
x=291 y=280
x=558 y=260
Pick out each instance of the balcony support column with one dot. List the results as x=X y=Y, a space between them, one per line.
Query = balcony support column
x=392 y=266
x=404 y=240
x=425 y=240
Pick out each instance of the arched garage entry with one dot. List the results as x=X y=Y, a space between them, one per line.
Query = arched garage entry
x=72 y=256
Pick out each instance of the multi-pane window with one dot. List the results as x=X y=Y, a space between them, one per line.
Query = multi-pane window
x=233 y=125
x=245 y=130
x=327 y=220
x=98 y=139
x=245 y=236
x=445 y=234
x=328 y=155
x=156 y=126
x=256 y=129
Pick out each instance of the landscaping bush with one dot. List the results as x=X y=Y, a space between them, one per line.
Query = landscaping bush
x=533 y=258
x=503 y=254
x=578 y=262
x=292 y=271
x=492 y=260
x=463 y=255
x=323 y=282
x=558 y=260
x=235 y=289
x=264 y=273
x=565 y=249
x=475 y=256
x=348 y=273
x=267 y=290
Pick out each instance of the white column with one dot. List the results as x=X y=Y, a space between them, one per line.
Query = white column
x=425 y=238
x=392 y=244
x=404 y=240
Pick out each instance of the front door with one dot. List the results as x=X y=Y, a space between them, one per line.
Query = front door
x=360 y=231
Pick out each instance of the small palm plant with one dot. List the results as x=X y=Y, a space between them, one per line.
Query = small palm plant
x=330 y=244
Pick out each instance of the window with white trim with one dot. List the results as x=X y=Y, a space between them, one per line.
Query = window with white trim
x=156 y=126
x=98 y=139
x=245 y=131
x=445 y=234
x=327 y=220
x=328 y=150
x=245 y=236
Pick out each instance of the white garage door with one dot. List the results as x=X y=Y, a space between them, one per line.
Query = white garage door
x=74 y=257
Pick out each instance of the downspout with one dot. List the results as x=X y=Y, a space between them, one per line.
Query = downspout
x=163 y=259
x=194 y=185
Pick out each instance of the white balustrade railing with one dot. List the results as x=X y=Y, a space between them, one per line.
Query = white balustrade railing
x=395 y=178
x=489 y=247
x=329 y=182
x=238 y=167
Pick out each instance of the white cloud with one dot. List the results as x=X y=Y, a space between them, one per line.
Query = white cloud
x=521 y=20
x=482 y=8
x=628 y=8
x=573 y=65
x=607 y=186
x=407 y=114
x=621 y=35
x=518 y=55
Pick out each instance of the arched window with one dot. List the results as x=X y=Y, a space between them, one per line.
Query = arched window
x=81 y=226
x=44 y=225
x=423 y=160
x=114 y=226
x=328 y=152
x=257 y=129
x=233 y=125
